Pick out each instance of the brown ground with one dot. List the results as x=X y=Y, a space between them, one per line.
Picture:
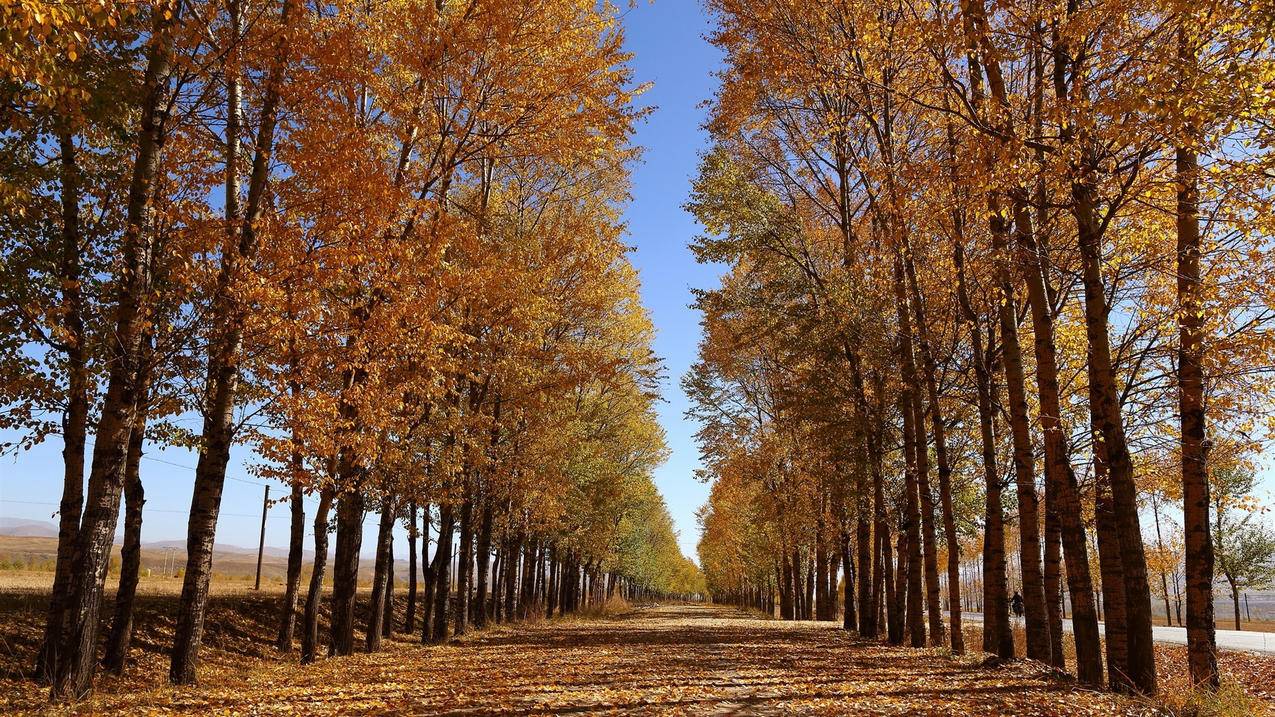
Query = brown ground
x=700 y=660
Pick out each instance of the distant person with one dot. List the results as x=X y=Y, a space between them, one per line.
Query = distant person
x=1016 y=603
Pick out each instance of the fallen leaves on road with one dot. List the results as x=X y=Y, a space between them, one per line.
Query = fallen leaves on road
x=674 y=660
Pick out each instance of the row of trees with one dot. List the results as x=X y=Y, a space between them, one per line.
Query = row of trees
x=1243 y=550
x=378 y=243
x=990 y=264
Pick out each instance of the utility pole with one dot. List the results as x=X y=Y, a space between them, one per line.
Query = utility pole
x=261 y=546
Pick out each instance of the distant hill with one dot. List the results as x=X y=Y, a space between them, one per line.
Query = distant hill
x=23 y=528
x=168 y=556
x=224 y=548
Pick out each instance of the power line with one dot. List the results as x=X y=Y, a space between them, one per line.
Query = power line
x=27 y=502
x=192 y=469
x=259 y=484
x=154 y=510
x=186 y=467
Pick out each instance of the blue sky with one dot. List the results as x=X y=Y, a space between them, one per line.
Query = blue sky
x=667 y=40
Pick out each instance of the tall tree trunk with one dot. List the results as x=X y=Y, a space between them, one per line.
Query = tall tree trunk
x=1070 y=79
x=1105 y=406
x=867 y=566
x=1038 y=639
x=882 y=569
x=1159 y=542
x=73 y=658
x=798 y=586
x=929 y=369
x=821 y=569
x=1053 y=577
x=577 y=587
x=913 y=448
x=909 y=599
x=224 y=349
x=387 y=624
x=1062 y=491
x=1112 y=581
x=296 y=549
x=497 y=583
x=787 y=606
x=890 y=591
x=982 y=57
x=409 y=622
x=431 y=571
x=527 y=581
x=540 y=575
x=909 y=581
x=997 y=637
x=310 y=618
x=1177 y=599
x=75 y=418
x=345 y=570
x=512 y=551
x=555 y=578
x=121 y=634
x=1200 y=625
x=810 y=588
x=484 y=563
x=443 y=573
x=850 y=617
x=933 y=604
x=464 y=564
x=380 y=577
x=798 y=591
x=564 y=580
x=867 y=483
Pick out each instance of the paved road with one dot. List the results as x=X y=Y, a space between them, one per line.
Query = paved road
x=1244 y=641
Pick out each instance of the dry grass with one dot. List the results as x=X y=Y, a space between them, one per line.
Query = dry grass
x=1248 y=680
x=27 y=563
x=38 y=584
